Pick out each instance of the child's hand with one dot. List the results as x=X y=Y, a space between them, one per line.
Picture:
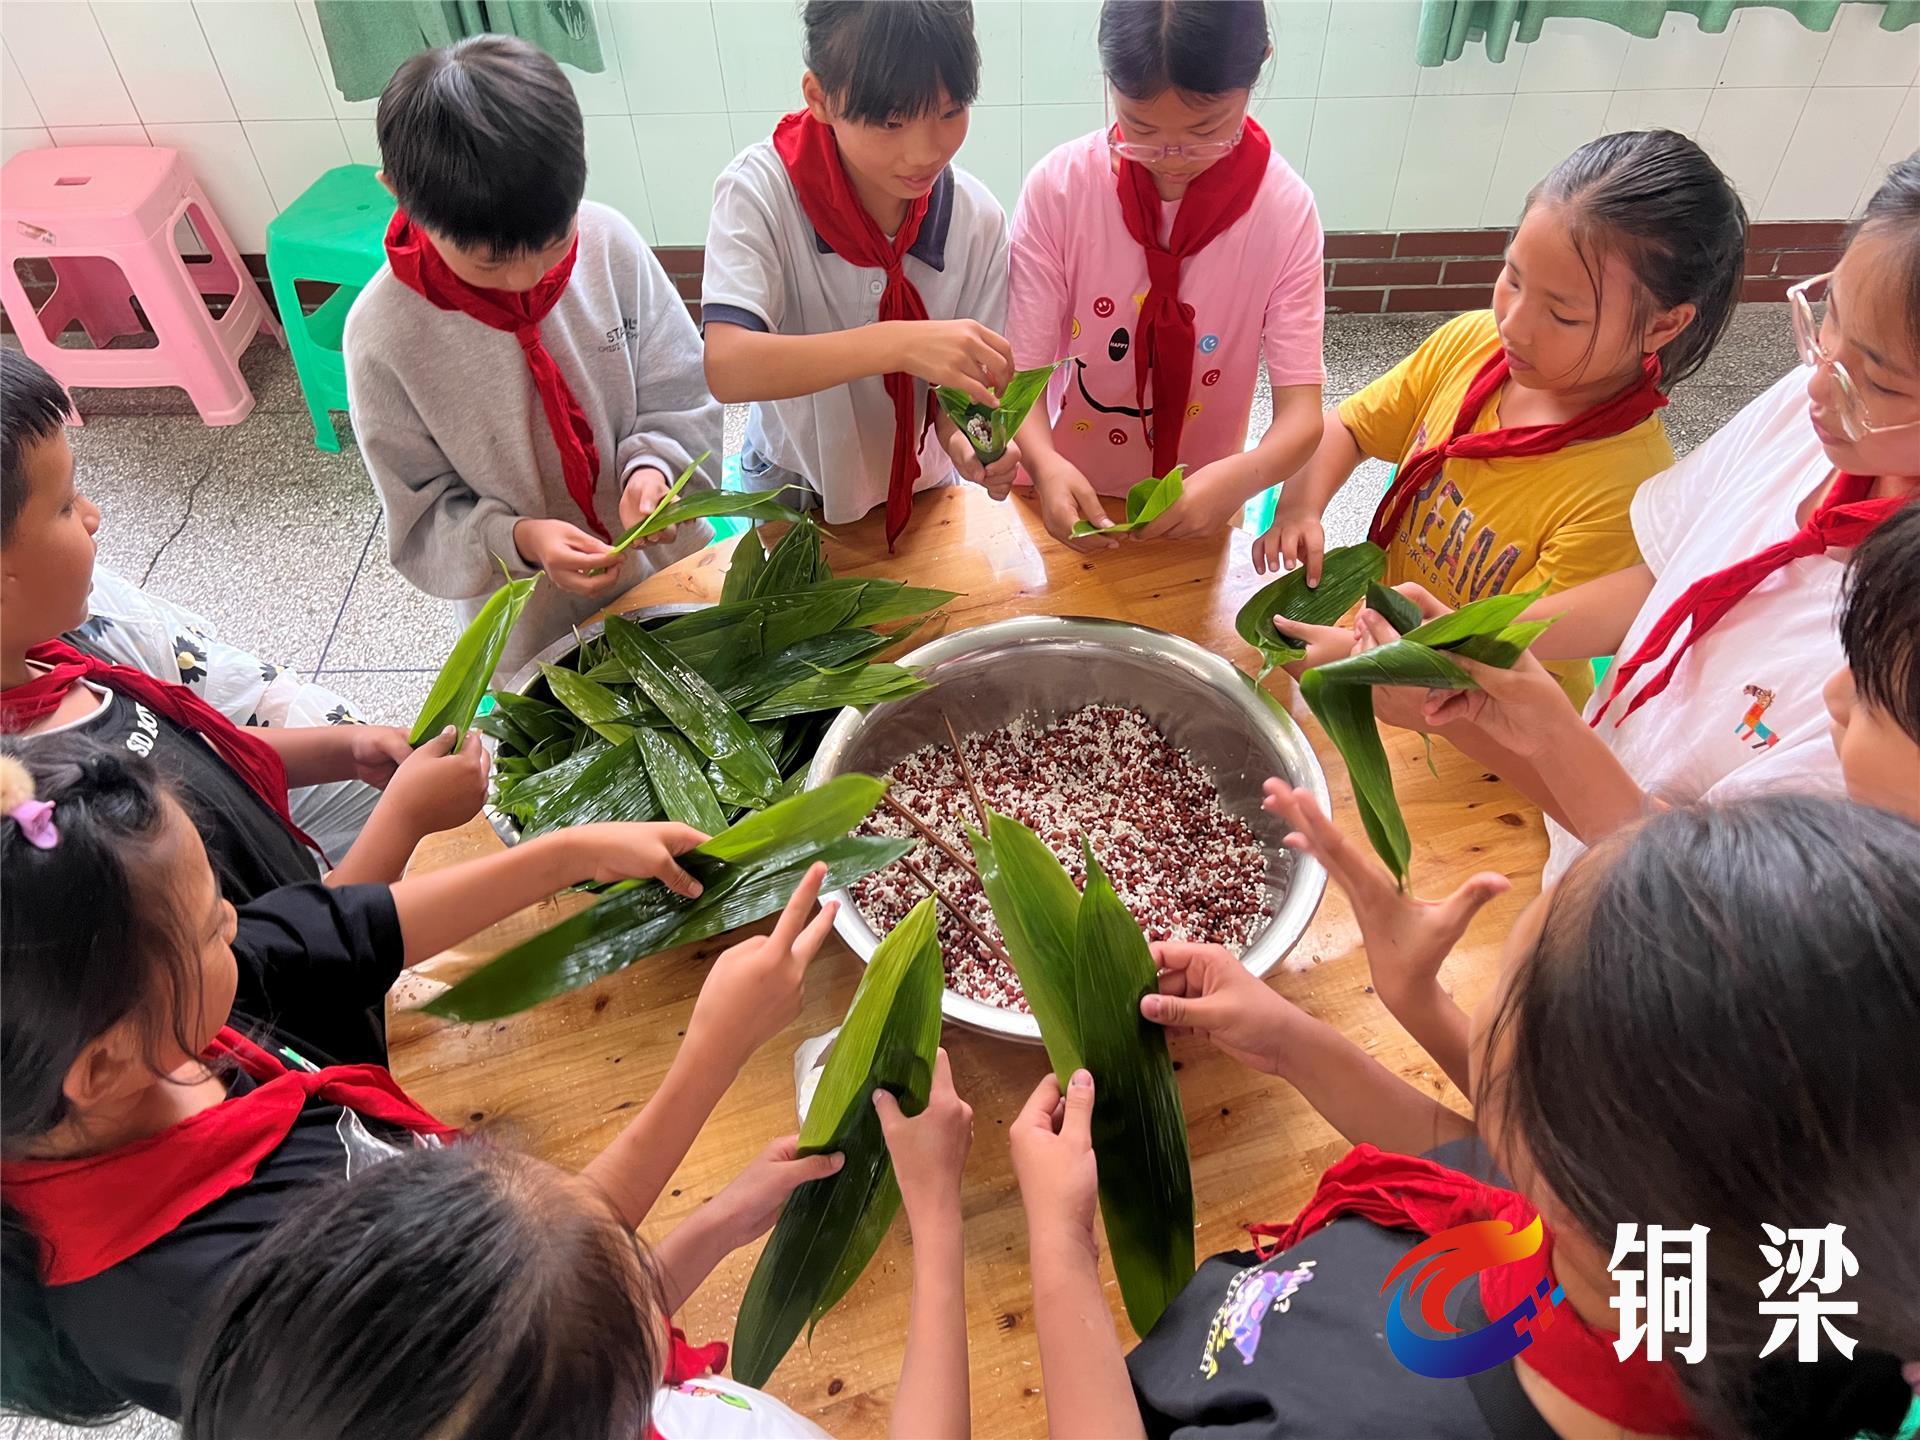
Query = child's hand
x=646 y=487
x=615 y=850
x=746 y=1209
x=375 y=751
x=1205 y=989
x=1406 y=939
x=575 y=561
x=929 y=1150
x=1051 y=1142
x=1295 y=537
x=437 y=787
x=755 y=988
x=962 y=353
x=1522 y=709
x=1402 y=706
x=997 y=478
x=1066 y=498
x=1208 y=501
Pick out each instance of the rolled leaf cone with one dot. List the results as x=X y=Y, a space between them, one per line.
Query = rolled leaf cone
x=1345 y=573
x=1146 y=503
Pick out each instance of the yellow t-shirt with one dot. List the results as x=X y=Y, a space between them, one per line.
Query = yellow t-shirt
x=1491 y=527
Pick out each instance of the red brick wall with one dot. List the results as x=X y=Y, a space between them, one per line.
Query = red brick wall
x=1367 y=272
x=1371 y=273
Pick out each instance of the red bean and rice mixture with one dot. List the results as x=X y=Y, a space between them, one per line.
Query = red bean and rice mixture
x=1185 y=868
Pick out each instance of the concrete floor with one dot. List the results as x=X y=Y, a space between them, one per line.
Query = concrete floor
x=282 y=546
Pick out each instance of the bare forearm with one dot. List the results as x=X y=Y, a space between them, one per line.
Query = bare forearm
x=1591 y=619
x=1336 y=455
x=313 y=754
x=1359 y=1096
x=447 y=906
x=1089 y=1393
x=633 y=1170
x=1038 y=453
x=685 y=1256
x=1594 y=793
x=933 y=1401
x=1291 y=440
x=745 y=364
x=380 y=852
x=1439 y=1026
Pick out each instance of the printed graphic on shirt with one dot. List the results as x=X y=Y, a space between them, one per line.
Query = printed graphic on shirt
x=1752 y=729
x=191 y=658
x=707 y=1392
x=145 y=731
x=1445 y=544
x=1253 y=1295
x=1120 y=342
x=627 y=331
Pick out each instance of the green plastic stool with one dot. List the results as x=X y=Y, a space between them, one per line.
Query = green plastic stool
x=336 y=233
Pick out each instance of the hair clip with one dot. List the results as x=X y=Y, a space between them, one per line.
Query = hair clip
x=35 y=819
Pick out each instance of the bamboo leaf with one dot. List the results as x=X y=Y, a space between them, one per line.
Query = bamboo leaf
x=988 y=428
x=1393 y=607
x=653 y=520
x=829 y=1229
x=529 y=790
x=812 y=656
x=683 y=792
x=761 y=507
x=1345 y=712
x=470 y=665
x=1401 y=662
x=694 y=708
x=749 y=559
x=870 y=685
x=810 y=818
x=795 y=563
x=1036 y=907
x=592 y=703
x=646 y=920
x=612 y=785
x=1483 y=617
x=1146 y=503
x=1344 y=576
x=1139 y=1130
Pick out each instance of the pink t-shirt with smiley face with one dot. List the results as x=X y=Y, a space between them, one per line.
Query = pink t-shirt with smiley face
x=1076 y=282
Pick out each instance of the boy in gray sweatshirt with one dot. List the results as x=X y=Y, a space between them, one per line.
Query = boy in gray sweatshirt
x=524 y=381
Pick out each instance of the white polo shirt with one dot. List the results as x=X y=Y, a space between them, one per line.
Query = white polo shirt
x=769 y=270
x=1744 y=713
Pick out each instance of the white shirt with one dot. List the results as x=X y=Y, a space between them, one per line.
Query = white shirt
x=1744 y=713
x=768 y=270
x=715 y=1408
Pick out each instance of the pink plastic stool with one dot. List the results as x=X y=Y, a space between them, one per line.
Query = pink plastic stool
x=105 y=216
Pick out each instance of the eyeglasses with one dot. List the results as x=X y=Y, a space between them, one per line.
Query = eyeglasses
x=1148 y=154
x=1850 y=409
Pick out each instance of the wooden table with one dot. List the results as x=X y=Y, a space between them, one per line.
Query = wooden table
x=562 y=1079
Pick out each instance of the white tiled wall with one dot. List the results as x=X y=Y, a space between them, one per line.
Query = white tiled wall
x=1804 y=122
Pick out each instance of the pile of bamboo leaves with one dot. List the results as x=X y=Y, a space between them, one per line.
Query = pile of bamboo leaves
x=710 y=715
x=829 y=1228
x=1085 y=965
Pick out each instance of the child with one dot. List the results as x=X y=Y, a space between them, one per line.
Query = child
x=1633 y=1067
x=1168 y=254
x=307 y=1342
x=238 y=775
x=1873 y=699
x=1522 y=432
x=1726 y=633
x=851 y=214
x=525 y=383
x=149 y=1144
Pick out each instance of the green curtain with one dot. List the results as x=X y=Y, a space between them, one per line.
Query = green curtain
x=1447 y=25
x=367 y=39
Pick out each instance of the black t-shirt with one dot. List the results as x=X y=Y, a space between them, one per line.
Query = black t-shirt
x=1293 y=1348
x=314 y=963
x=251 y=851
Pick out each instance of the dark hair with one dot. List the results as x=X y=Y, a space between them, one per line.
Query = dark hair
x=1880 y=617
x=483 y=143
x=1204 y=47
x=1656 y=199
x=33 y=409
x=85 y=939
x=1895 y=209
x=458 y=1291
x=1716 y=1027
x=892 y=61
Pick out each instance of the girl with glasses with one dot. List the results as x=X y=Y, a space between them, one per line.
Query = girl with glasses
x=1726 y=635
x=1166 y=255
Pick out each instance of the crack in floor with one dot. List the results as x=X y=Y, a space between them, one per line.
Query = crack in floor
x=193 y=492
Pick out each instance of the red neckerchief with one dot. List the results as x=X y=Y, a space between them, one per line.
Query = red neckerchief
x=688 y=1362
x=1405 y=1193
x=248 y=756
x=419 y=266
x=1610 y=417
x=93 y=1212
x=1164 y=342
x=1844 y=518
x=812 y=157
